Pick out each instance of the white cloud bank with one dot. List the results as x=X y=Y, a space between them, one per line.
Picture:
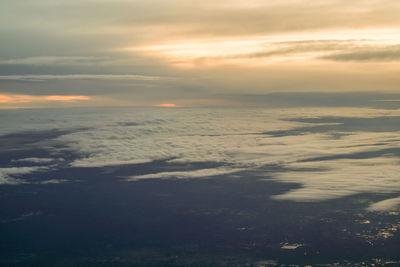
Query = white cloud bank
x=187 y=174
x=392 y=204
x=343 y=177
x=235 y=138
x=8 y=175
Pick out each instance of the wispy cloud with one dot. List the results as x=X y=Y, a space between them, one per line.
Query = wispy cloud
x=267 y=49
x=10 y=175
x=371 y=53
x=187 y=174
x=55 y=60
x=78 y=77
x=11 y=99
x=34 y=160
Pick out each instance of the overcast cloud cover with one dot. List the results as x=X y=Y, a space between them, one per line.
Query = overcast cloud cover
x=194 y=52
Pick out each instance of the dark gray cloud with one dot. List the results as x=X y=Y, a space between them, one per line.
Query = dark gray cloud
x=388 y=53
x=319 y=99
x=342 y=125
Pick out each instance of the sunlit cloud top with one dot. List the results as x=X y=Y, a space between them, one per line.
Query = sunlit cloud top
x=356 y=45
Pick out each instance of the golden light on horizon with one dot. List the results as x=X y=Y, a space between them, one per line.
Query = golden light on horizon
x=166 y=105
x=20 y=98
x=66 y=98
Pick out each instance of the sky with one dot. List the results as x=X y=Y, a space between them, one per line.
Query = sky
x=57 y=53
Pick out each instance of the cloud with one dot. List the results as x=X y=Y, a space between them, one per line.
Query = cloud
x=379 y=54
x=187 y=174
x=24 y=216
x=343 y=125
x=325 y=164
x=232 y=141
x=78 y=77
x=12 y=99
x=146 y=142
x=392 y=204
x=53 y=181
x=9 y=175
x=289 y=50
x=54 y=60
x=66 y=98
x=126 y=48
x=34 y=160
x=227 y=17
x=339 y=178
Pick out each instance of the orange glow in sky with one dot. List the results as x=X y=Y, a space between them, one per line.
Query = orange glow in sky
x=18 y=98
x=4 y=99
x=167 y=105
x=66 y=98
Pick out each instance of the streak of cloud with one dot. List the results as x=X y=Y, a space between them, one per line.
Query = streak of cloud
x=11 y=99
x=78 y=77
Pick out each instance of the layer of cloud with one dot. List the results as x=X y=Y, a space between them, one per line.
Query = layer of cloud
x=218 y=140
x=78 y=77
x=379 y=45
x=54 y=60
x=349 y=151
x=187 y=174
x=344 y=177
x=10 y=175
x=228 y=17
x=12 y=99
x=246 y=147
x=392 y=204
x=34 y=160
x=380 y=54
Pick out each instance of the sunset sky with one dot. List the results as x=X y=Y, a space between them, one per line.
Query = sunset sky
x=194 y=53
x=199 y=133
